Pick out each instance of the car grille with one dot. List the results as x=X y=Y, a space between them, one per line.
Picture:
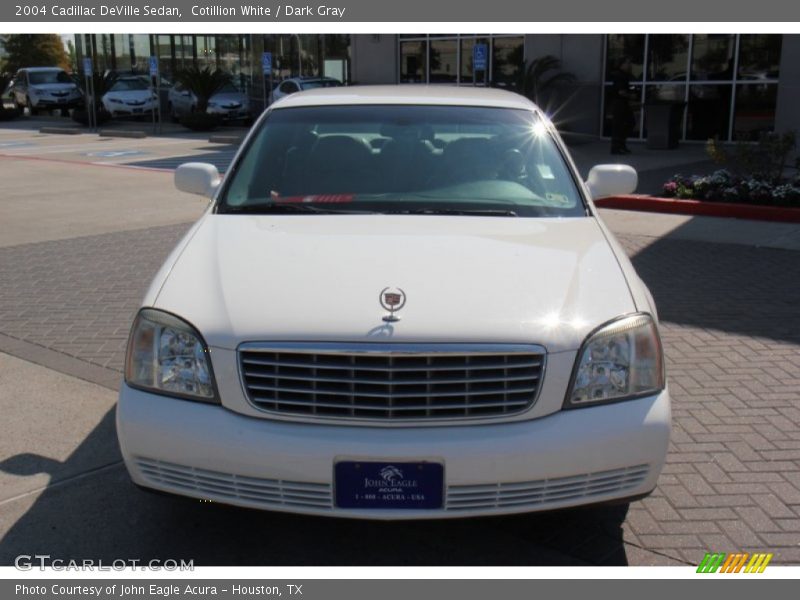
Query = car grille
x=392 y=383
x=545 y=491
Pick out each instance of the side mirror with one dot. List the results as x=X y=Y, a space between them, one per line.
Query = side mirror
x=197 y=178
x=611 y=180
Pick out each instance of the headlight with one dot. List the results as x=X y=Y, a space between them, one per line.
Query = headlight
x=212 y=105
x=115 y=100
x=37 y=92
x=620 y=361
x=168 y=356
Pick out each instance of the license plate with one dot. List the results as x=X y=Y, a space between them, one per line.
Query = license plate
x=137 y=110
x=398 y=485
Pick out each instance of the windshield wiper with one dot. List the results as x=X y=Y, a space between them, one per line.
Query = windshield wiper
x=455 y=211
x=288 y=209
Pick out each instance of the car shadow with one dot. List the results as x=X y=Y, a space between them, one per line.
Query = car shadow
x=745 y=291
x=96 y=512
x=220 y=157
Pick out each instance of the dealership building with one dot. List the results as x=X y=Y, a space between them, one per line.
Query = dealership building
x=729 y=86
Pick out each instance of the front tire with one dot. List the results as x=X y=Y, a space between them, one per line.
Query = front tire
x=32 y=110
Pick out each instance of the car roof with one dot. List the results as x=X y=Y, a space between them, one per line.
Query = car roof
x=35 y=69
x=406 y=94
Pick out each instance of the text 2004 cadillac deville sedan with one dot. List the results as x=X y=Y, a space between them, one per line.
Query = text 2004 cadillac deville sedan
x=399 y=304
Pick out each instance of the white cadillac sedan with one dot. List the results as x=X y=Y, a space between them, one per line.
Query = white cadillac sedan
x=400 y=304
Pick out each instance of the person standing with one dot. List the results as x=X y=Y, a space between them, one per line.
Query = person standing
x=622 y=119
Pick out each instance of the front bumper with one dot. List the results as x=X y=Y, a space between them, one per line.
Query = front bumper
x=229 y=114
x=570 y=458
x=53 y=103
x=128 y=110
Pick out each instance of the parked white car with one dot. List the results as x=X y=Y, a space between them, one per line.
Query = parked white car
x=229 y=103
x=130 y=96
x=299 y=84
x=45 y=88
x=400 y=304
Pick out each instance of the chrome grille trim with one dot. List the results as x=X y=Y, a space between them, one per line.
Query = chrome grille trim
x=545 y=491
x=269 y=492
x=385 y=382
x=274 y=493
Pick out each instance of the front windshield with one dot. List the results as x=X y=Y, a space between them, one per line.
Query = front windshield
x=228 y=88
x=402 y=158
x=318 y=83
x=54 y=76
x=125 y=85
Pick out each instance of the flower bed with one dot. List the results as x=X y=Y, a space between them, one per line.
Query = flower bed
x=722 y=186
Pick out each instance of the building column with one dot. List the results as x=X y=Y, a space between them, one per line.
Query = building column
x=787 y=109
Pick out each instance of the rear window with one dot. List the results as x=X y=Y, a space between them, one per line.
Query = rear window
x=395 y=158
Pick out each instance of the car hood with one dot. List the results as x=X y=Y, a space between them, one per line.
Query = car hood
x=247 y=278
x=130 y=95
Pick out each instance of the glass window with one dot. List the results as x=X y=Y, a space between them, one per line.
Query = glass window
x=206 y=51
x=507 y=61
x=668 y=92
x=755 y=110
x=712 y=57
x=140 y=52
x=337 y=57
x=428 y=159
x=164 y=53
x=412 y=62
x=708 y=113
x=444 y=61
x=44 y=77
x=122 y=52
x=759 y=56
x=625 y=50
x=667 y=56
x=310 y=53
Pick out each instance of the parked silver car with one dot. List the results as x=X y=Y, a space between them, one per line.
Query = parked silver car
x=230 y=103
x=45 y=88
x=298 y=84
x=130 y=96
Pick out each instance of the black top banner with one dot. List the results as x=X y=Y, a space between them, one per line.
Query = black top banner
x=476 y=11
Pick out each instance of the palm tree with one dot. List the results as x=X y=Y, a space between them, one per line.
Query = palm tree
x=540 y=75
x=203 y=83
x=100 y=84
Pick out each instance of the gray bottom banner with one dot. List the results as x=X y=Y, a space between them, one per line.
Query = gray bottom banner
x=408 y=589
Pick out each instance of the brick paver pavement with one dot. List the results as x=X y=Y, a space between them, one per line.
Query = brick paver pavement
x=731 y=329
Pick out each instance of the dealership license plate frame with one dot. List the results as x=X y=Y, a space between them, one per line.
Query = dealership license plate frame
x=350 y=491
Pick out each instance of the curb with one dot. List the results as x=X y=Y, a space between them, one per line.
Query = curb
x=696 y=207
x=225 y=139
x=61 y=130
x=121 y=133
